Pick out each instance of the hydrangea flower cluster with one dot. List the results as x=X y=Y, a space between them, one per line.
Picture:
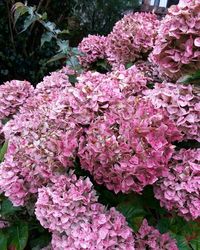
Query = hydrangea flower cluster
x=13 y=94
x=41 y=144
x=48 y=90
x=182 y=104
x=42 y=140
x=44 y=136
x=177 y=47
x=131 y=81
x=68 y=207
x=150 y=238
x=93 y=48
x=94 y=93
x=132 y=37
x=180 y=189
x=129 y=146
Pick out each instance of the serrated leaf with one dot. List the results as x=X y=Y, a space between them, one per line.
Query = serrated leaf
x=3 y=151
x=18 y=235
x=3 y=241
x=46 y=37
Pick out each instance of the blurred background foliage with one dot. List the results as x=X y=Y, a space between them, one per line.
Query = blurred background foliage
x=21 y=54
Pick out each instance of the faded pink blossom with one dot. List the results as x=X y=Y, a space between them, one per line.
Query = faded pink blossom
x=176 y=50
x=180 y=190
x=129 y=146
x=182 y=104
x=131 y=38
x=13 y=94
x=93 y=48
x=68 y=207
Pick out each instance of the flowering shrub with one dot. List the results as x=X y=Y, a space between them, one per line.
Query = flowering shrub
x=99 y=157
x=180 y=189
x=177 y=47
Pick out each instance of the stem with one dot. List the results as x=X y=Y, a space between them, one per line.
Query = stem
x=10 y=25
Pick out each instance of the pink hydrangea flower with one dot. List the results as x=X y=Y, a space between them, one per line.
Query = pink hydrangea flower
x=150 y=238
x=48 y=90
x=180 y=189
x=95 y=92
x=129 y=146
x=182 y=104
x=43 y=139
x=132 y=37
x=68 y=207
x=177 y=47
x=13 y=94
x=93 y=48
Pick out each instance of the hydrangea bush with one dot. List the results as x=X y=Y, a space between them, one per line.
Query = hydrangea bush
x=112 y=160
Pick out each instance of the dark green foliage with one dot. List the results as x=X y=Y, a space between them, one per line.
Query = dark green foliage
x=22 y=54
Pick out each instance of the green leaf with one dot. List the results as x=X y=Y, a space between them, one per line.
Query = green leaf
x=195 y=244
x=163 y=225
x=3 y=151
x=182 y=243
x=50 y=26
x=56 y=58
x=28 y=21
x=192 y=78
x=3 y=241
x=72 y=62
x=133 y=211
x=63 y=46
x=128 y=65
x=46 y=37
x=7 y=208
x=18 y=235
x=18 y=9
